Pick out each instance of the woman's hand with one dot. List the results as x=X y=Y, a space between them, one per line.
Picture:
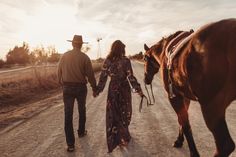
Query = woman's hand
x=95 y=92
x=140 y=93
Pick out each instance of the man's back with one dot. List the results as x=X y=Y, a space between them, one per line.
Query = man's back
x=74 y=67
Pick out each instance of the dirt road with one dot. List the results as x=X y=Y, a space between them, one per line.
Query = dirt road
x=153 y=131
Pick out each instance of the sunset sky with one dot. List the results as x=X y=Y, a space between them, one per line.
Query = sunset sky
x=135 y=22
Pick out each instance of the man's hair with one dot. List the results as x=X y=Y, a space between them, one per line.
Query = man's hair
x=117 y=50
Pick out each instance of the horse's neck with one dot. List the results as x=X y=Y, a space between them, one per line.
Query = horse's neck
x=178 y=73
x=175 y=45
x=162 y=58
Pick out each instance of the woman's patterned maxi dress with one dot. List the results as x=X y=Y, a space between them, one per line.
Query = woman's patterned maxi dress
x=119 y=106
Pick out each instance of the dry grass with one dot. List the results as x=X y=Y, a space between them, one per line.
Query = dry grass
x=32 y=83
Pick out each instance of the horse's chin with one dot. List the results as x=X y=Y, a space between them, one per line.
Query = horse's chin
x=147 y=81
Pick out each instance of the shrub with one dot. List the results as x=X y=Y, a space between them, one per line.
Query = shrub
x=1 y=63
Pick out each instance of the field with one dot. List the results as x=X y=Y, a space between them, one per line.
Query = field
x=28 y=84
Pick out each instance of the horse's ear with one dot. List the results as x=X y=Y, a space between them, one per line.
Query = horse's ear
x=146 y=48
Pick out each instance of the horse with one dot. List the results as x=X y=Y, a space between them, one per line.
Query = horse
x=203 y=69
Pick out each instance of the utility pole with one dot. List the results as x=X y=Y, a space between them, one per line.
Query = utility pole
x=99 y=48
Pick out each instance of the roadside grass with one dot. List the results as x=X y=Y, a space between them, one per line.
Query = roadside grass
x=33 y=83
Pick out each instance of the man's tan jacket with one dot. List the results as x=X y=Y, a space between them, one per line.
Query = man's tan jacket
x=76 y=67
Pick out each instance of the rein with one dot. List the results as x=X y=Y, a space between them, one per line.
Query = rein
x=149 y=102
x=143 y=96
x=149 y=98
x=141 y=103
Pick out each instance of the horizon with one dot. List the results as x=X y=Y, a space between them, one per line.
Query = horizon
x=52 y=22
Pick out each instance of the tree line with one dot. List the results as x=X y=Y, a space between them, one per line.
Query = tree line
x=22 y=55
x=138 y=56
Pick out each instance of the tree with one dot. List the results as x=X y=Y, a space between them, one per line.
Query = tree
x=19 y=55
x=32 y=58
x=1 y=63
x=54 y=56
x=39 y=55
x=138 y=56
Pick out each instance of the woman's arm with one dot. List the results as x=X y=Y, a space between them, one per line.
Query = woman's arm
x=103 y=76
x=131 y=78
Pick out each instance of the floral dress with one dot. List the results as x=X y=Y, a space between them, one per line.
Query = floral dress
x=119 y=106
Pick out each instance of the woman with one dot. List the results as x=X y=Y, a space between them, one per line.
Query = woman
x=119 y=107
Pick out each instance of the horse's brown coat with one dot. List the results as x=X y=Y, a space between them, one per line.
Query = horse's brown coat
x=203 y=70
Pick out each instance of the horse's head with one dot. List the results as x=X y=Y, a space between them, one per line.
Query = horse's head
x=154 y=56
x=150 y=63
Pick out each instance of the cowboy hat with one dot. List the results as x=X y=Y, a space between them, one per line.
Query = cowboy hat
x=78 y=40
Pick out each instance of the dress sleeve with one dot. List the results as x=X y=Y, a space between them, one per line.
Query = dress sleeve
x=103 y=76
x=132 y=79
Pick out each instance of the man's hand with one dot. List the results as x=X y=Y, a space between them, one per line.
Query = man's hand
x=95 y=92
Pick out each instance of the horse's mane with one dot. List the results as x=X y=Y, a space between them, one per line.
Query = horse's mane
x=168 y=38
x=172 y=36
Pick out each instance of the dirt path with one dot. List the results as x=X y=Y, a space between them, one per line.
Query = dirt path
x=153 y=131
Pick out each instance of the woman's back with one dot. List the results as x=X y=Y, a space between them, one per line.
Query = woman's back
x=117 y=69
x=119 y=107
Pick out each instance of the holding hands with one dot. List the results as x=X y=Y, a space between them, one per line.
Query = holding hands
x=95 y=92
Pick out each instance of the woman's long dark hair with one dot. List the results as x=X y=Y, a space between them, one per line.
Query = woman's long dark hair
x=117 y=50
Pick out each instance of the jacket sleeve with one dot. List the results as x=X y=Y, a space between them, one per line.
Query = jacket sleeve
x=131 y=78
x=59 y=71
x=103 y=76
x=90 y=74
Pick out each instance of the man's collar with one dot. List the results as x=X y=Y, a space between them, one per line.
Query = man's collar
x=76 y=49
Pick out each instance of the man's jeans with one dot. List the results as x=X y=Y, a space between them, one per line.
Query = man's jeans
x=70 y=93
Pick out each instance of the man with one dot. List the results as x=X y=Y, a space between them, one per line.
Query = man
x=74 y=70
